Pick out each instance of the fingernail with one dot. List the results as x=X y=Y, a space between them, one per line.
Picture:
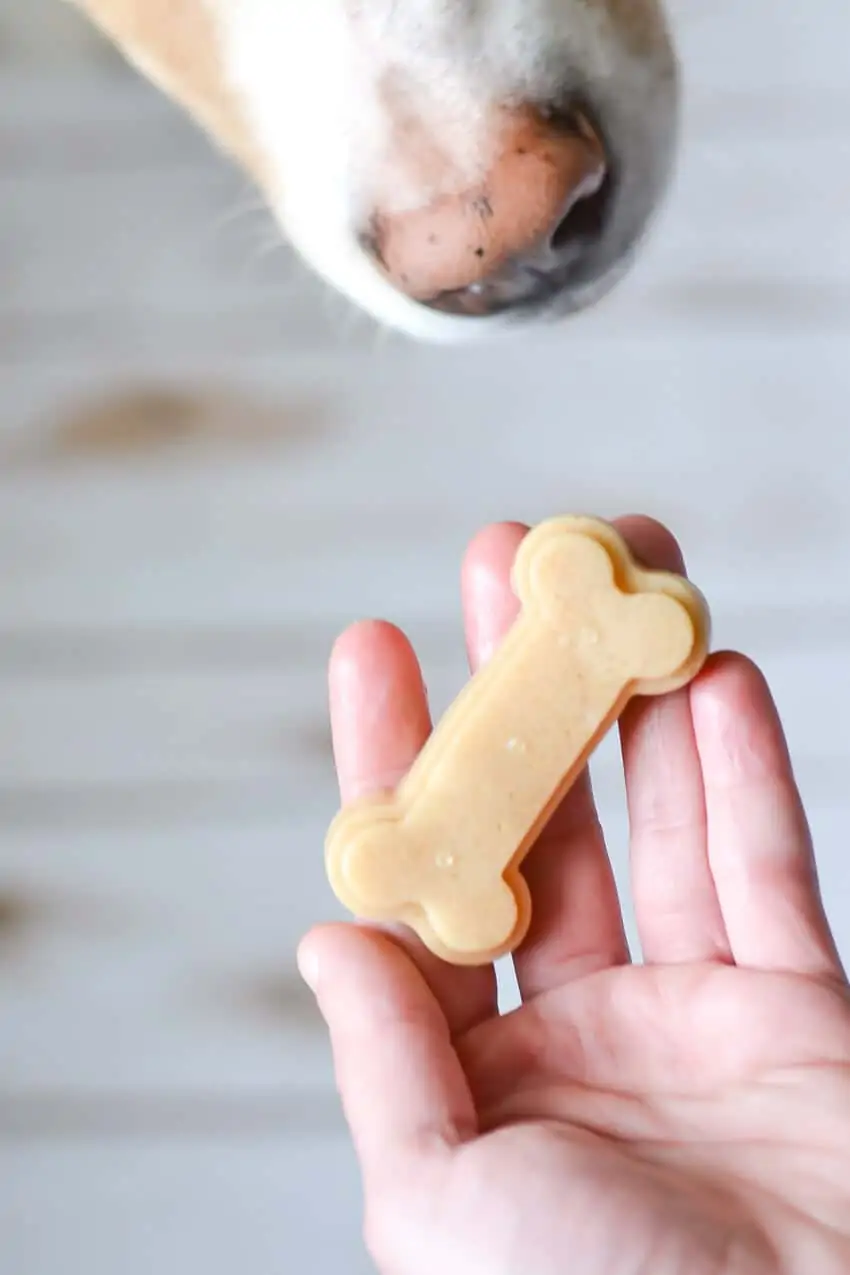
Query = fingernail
x=308 y=967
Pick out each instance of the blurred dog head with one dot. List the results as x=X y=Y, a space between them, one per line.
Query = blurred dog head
x=454 y=167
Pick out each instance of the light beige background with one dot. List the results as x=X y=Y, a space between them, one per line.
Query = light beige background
x=207 y=467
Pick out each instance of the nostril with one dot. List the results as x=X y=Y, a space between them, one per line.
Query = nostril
x=584 y=222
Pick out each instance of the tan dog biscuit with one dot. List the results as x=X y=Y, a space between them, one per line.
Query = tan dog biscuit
x=443 y=853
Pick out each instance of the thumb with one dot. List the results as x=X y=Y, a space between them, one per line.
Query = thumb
x=403 y=1090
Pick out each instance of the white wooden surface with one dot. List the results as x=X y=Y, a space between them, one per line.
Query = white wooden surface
x=207 y=467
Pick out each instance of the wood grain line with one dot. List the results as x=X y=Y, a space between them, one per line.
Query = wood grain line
x=156 y=1117
x=771 y=629
x=152 y=805
x=77 y=652
x=267 y=803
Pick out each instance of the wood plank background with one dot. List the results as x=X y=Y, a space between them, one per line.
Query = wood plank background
x=208 y=465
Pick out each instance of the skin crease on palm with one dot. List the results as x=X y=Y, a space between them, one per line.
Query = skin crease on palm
x=689 y=1115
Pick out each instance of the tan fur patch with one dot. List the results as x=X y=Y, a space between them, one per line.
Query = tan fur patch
x=175 y=44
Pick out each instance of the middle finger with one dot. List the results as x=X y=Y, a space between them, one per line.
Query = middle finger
x=576 y=926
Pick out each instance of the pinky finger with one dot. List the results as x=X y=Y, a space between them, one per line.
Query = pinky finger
x=760 y=846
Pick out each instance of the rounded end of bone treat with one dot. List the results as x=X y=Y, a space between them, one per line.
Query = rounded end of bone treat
x=560 y=562
x=577 y=575
x=477 y=931
x=690 y=638
x=364 y=859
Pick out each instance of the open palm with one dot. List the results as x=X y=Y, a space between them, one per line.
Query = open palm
x=686 y=1116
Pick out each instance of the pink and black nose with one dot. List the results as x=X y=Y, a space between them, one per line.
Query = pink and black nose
x=515 y=238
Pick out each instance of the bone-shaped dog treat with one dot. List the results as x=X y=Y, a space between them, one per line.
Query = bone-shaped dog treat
x=443 y=853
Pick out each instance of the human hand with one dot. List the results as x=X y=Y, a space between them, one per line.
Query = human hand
x=686 y=1116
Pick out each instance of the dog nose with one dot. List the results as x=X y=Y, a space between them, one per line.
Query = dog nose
x=512 y=238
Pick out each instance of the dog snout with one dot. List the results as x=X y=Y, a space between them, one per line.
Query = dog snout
x=473 y=168
x=513 y=237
